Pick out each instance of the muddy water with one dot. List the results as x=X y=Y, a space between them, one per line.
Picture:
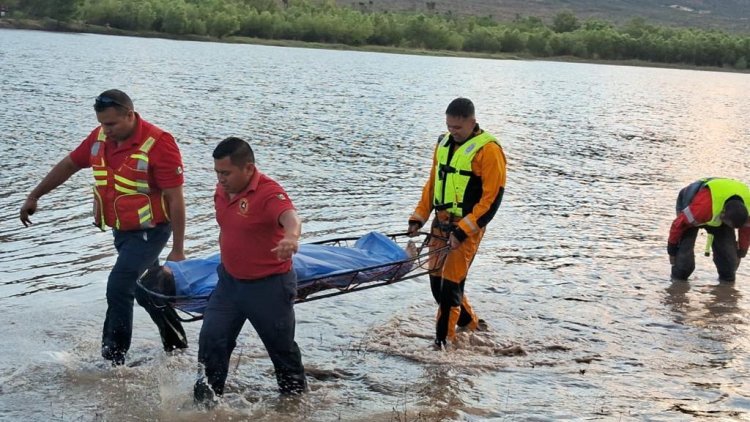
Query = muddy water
x=572 y=276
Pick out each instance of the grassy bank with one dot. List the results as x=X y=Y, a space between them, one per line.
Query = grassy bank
x=77 y=27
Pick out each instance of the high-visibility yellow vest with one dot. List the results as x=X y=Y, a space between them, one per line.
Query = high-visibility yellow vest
x=451 y=179
x=721 y=190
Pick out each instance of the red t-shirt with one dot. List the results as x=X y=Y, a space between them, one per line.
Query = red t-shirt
x=249 y=228
x=164 y=159
x=701 y=208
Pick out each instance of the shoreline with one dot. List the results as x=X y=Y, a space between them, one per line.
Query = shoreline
x=68 y=27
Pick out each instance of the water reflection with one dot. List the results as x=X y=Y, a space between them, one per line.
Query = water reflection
x=724 y=300
x=441 y=388
x=719 y=303
x=677 y=299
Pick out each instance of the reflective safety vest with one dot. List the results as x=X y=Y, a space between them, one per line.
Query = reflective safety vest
x=452 y=178
x=122 y=197
x=721 y=190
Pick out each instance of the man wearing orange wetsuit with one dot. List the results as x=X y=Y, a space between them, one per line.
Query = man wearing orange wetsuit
x=465 y=188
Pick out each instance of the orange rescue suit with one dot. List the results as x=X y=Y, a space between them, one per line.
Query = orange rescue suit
x=489 y=165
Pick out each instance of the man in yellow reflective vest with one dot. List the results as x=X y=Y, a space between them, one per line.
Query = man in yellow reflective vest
x=138 y=179
x=720 y=206
x=465 y=188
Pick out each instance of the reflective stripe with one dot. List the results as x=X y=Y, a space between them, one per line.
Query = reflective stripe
x=141 y=163
x=142 y=186
x=147 y=144
x=125 y=190
x=101 y=136
x=124 y=181
x=133 y=183
x=689 y=215
x=144 y=214
x=95 y=148
x=100 y=177
x=474 y=228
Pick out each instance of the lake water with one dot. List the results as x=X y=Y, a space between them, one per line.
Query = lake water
x=573 y=270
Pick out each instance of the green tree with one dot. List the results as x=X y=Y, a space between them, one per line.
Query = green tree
x=144 y=15
x=528 y=23
x=512 y=41
x=175 y=18
x=538 y=43
x=386 y=30
x=431 y=33
x=485 y=39
x=260 y=5
x=222 y=24
x=596 y=25
x=261 y=25
x=637 y=27
x=61 y=10
x=565 y=21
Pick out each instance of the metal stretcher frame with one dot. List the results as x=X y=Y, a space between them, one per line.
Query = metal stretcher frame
x=338 y=283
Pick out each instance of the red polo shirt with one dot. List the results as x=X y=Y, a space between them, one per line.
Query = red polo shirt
x=249 y=228
x=164 y=159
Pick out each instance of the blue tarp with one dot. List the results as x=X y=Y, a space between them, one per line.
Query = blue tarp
x=198 y=277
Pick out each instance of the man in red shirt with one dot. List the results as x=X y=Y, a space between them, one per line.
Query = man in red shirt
x=259 y=233
x=137 y=170
x=719 y=206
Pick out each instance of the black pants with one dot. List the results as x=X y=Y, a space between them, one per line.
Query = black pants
x=165 y=317
x=268 y=304
x=724 y=249
x=136 y=251
x=448 y=295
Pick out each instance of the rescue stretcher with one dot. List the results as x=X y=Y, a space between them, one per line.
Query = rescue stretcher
x=420 y=260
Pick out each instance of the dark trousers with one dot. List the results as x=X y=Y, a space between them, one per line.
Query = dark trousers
x=268 y=304
x=166 y=319
x=448 y=295
x=724 y=248
x=136 y=251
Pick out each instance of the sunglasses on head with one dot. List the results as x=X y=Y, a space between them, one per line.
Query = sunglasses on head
x=101 y=102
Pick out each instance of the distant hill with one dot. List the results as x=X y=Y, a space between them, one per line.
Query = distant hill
x=729 y=15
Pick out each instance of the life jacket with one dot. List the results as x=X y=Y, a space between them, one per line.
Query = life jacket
x=721 y=190
x=452 y=178
x=122 y=197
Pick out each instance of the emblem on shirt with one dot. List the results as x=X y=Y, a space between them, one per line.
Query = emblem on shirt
x=281 y=197
x=243 y=206
x=178 y=170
